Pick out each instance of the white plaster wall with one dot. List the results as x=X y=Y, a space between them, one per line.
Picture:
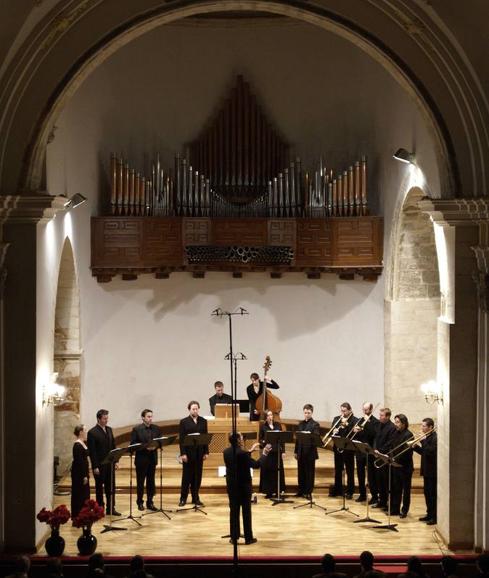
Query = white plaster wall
x=153 y=343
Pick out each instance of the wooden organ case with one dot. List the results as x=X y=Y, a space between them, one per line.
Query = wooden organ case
x=236 y=202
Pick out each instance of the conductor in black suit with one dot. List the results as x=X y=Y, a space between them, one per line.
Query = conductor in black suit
x=239 y=484
x=146 y=459
x=219 y=397
x=306 y=456
x=192 y=456
x=100 y=441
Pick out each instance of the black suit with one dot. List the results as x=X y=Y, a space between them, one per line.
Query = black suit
x=306 y=458
x=383 y=443
x=344 y=459
x=268 y=471
x=215 y=399
x=401 y=477
x=100 y=443
x=364 y=461
x=428 y=451
x=239 y=488
x=145 y=461
x=253 y=396
x=192 y=469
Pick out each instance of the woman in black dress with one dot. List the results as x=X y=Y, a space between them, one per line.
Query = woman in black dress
x=268 y=471
x=80 y=486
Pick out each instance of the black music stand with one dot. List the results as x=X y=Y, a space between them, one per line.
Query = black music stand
x=342 y=444
x=194 y=441
x=276 y=438
x=159 y=443
x=391 y=463
x=111 y=459
x=308 y=439
x=365 y=448
x=131 y=449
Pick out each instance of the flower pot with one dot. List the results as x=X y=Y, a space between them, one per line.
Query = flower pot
x=55 y=544
x=87 y=543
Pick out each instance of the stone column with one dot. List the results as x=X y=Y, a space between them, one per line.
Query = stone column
x=20 y=215
x=458 y=368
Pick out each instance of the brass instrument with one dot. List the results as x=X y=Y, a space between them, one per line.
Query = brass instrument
x=329 y=434
x=353 y=433
x=392 y=456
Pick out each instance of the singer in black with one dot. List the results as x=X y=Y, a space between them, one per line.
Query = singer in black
x=239 y=485
x=100 y=441
x=382 y=445
x=80 y=486
x=146 y=459
x=219 y=397
x=306 y=456
x=345 y=459
x=401 y=477
x=268 y=471
x=192 y=457
x=428 y=450
x=254 y=390
x=365 y=431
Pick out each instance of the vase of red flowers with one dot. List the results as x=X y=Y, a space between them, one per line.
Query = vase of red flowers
x=88 y=515
x=55 y=544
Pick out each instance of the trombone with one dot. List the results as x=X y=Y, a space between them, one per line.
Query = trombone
x=329 y=434
x=352 y=433
x=396 y=452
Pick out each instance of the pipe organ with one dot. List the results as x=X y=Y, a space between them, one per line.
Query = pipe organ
x=238 y=176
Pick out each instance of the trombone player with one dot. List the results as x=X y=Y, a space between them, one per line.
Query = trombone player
x=402 y=454
x=427 y=447
x=344 y=424
x=364 y=431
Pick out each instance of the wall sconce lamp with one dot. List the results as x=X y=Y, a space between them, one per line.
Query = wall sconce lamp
x=432 y=392
x=74 y=201
x=54 y=393
x=404 y=156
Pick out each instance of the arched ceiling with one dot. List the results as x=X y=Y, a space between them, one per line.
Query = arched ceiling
x=56 y=51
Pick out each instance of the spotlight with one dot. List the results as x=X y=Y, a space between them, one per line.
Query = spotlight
x=75 y=200
x=405 y=157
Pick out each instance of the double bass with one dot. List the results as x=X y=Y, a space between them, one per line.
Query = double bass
x=267 y=401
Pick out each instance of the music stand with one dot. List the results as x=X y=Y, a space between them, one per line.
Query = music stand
x=159 y=443
x=195 y=440
x=365 y=448
x=276 y=438
x=342 y=444
x=131 y=449
x=391 y=463
x=308 y=439
x=111 y=459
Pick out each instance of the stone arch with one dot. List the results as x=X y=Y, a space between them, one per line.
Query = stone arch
x=67 y=354
x=457 y=117
x=412 y=308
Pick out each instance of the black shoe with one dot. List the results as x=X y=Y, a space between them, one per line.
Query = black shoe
x=251 y=541
x=349 y=496
x=198 y=502
x=152 y=507
x=431 y=522
x=424 y=519
x=299 y=495
x=182 y=502
x=268 y=496
x=397 y=513
x=386 y=509
x=141 y=507
x=402 y=515
x=361 y=499
x=114 y=513
x=373 y=502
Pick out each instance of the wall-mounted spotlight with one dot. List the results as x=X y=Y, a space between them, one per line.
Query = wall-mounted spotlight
x=432 y=391
x=54 y=393
x=405 y=157
x=74 y=201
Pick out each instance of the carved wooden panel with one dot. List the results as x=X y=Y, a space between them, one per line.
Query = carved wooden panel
x=357 y=241
x=117 y=242
x=282 y=232
x=196 y=231
x=249 y=232
x=162 y=242
x=313 y=243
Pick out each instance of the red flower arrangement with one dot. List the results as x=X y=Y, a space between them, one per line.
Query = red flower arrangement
x=88 y=515
x=54 y=518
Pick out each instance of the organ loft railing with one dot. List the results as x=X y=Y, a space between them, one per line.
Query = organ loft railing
x=238 y=167
x=236 y=201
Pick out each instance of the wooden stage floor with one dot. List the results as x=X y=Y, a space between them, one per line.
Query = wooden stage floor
x=280 y=530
